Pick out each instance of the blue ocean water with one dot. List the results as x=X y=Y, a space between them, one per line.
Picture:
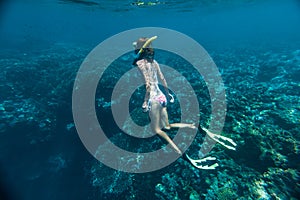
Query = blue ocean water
x=255 y=45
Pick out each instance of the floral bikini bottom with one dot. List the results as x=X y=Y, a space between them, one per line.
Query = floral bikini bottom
x=161 y=99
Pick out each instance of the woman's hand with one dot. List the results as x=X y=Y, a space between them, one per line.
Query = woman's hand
x=171 y=98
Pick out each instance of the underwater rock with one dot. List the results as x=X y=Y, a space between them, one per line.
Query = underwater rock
x=194 y=195
x=36 y=87
x=57 y=163
x=70 y=126
x=110 y=182
x=168 y=189
x=282 y=183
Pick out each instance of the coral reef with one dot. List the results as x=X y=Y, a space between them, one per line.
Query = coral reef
x=263 y=117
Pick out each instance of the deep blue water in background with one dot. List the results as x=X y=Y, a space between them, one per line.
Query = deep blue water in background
x=26 y=24
x=41 y=156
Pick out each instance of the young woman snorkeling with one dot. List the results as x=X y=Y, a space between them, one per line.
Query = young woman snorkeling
x=155 y=101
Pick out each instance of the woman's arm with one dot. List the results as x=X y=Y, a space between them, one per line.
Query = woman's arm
x=141 y=67
x=164 y=82
x=162 y=78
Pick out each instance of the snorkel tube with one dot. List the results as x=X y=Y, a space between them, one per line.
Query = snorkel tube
x=147 y=43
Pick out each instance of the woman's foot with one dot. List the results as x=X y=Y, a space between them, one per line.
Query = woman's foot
x=168 y=127
x=192 y=126
x=178 y=151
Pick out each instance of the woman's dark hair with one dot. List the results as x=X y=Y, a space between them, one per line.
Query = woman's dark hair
x=147 y=53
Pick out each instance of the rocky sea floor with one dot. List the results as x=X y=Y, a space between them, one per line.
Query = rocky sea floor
x=263 y=118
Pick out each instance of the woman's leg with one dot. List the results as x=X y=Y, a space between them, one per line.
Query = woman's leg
x=164 y=118
x=167 y=125
x=155 y=116
x=183 y=125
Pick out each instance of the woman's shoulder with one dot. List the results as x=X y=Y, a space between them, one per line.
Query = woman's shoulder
x=155 y=62
x=141 y=62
